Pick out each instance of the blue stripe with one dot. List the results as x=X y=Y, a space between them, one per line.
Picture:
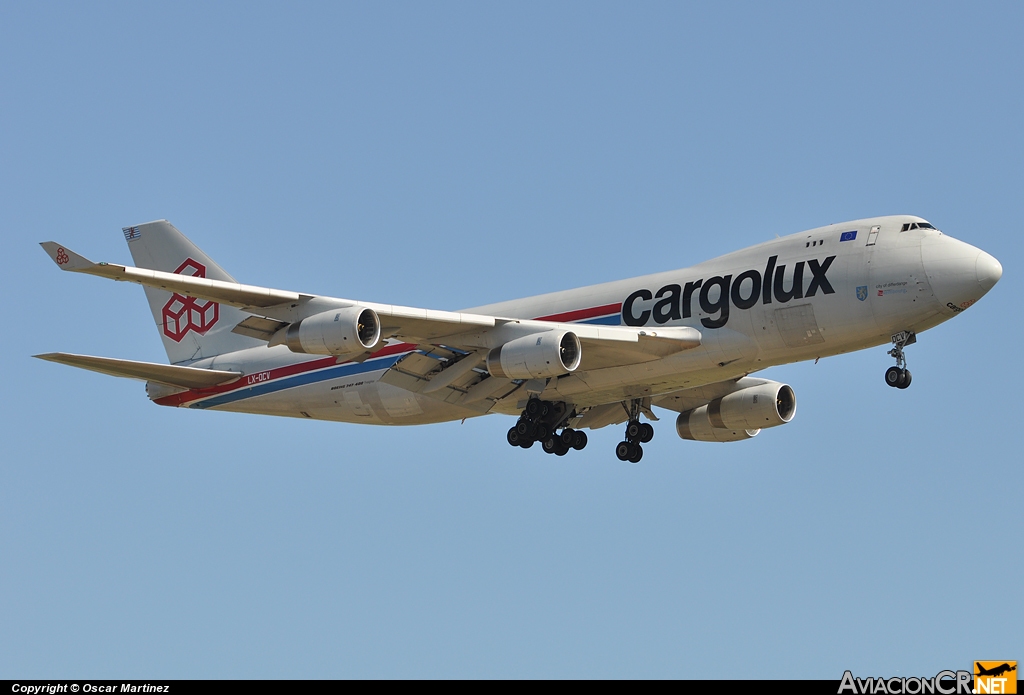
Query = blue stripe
x=327 y=374
x=342 y=370
x=612 y=320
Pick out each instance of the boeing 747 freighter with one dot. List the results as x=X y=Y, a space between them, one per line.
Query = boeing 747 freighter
x=687 y=341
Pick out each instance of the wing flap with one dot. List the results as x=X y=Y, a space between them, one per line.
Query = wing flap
x=171 y=375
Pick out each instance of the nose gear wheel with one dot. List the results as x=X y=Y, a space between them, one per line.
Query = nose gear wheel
x=899 y=376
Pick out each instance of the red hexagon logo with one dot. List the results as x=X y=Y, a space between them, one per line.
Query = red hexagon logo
x=182 y=314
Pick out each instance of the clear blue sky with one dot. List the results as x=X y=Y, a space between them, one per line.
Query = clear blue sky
x=448 y=155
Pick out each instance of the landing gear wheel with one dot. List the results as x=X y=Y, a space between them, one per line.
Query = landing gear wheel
x=633 y=430
x=579 y=440
x=623 y=450
x=545 y=422
x=905 y=381
x=899 y=376
x=893 y=376
x=637 y=453
x=646 y=432
x=550 y=444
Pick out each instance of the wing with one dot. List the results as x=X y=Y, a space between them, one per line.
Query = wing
x=688 y=399
x=272 y=309
x=181 y=377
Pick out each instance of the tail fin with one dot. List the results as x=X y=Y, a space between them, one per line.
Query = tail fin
x=191 y=329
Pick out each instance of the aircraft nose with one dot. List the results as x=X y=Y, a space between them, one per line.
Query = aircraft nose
x=959 y=273
x=988 y=271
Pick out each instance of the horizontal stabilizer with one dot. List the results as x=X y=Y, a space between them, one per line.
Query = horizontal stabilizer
x=183 y=377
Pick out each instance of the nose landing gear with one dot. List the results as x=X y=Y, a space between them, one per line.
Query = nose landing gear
x=899 y=376
x=637 y=433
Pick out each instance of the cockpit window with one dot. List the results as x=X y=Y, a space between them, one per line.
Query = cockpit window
x=916 y=225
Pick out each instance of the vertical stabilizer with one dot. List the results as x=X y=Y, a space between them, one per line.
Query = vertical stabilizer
x=190 y=328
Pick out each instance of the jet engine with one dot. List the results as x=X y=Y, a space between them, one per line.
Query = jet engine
x=694 y=425
x=767 y=405
x=740 y=414
x=536 y=356
x=343 y=332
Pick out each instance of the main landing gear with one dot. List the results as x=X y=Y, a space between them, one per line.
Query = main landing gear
x=636 y=433
x=899 y=376
x=539 y=423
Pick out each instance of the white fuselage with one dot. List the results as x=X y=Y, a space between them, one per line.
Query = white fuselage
x=858 y=284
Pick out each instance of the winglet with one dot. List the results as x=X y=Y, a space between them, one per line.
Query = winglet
x=65 y=258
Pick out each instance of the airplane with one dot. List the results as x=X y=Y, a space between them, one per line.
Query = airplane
x=686 y=341
x=995 y=671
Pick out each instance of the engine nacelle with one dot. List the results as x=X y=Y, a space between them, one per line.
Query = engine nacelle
x=740 y=414
x=536 y=356
x=755 y=407
x=694 y=425
x=343 y=332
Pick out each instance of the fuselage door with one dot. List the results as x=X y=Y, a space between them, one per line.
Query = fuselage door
x=873 y=235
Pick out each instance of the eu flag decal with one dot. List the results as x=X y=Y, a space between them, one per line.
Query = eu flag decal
x=848 y=236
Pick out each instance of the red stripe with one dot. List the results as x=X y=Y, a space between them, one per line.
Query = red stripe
x=583 y=313
x=279 y=372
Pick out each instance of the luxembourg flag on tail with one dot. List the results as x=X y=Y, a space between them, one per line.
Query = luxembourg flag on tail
x=131 y=233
